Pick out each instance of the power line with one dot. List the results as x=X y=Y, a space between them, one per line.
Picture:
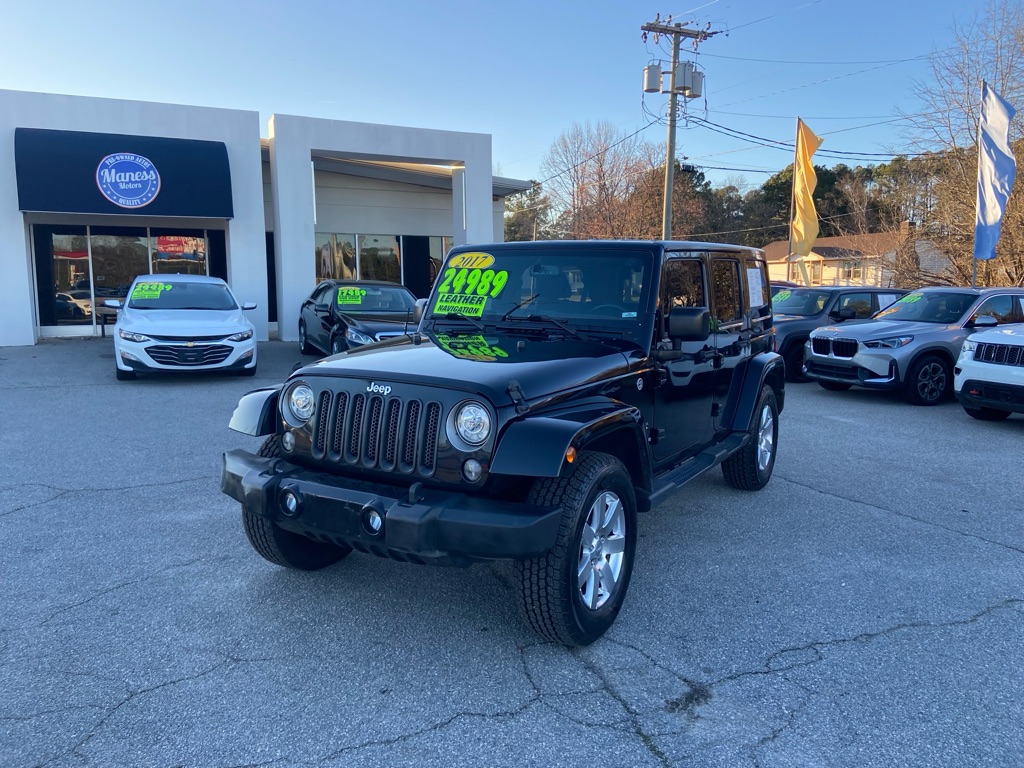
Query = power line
x=819 y=63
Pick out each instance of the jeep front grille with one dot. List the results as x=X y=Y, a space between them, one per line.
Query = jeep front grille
x=377 y=432
x=1000 y=354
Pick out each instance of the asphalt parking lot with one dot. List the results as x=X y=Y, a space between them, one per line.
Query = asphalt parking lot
x=866 y=608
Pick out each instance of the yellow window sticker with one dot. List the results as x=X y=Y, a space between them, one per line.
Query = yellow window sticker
x=350 y=296
x=468 y=284
x=149 y=290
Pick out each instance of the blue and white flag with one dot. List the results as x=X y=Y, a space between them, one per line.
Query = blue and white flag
x=996 y=171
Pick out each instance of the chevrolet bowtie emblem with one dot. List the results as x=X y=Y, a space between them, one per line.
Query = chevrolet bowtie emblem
x=190 y=343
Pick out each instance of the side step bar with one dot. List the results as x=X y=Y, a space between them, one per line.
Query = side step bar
x=667 y=484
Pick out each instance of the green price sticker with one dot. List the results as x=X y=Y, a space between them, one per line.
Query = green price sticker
x=466 y=291
x=149 y=290
x=471 y=348
x=910 y=298
x=351 y=295
x=782 y=295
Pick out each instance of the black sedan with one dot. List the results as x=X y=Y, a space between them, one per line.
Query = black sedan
x=340 y=315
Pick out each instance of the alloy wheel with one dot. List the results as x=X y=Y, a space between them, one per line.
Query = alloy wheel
x=603 y=542
x=931 y=382
x=765 y=439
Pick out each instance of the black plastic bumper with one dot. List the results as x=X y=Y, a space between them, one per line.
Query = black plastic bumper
x=437 y=527
x=984 y=394
x=854 y=375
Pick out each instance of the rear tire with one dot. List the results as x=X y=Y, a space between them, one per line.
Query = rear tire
x=573 y=594
x=750 y=468
x=986 y=414
x=834 y=386
x=285 y=548
x=928 y=381
x=124 y=375
x=304 y=346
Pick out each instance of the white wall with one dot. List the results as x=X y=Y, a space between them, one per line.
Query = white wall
x=293 y=141
x=240 y=132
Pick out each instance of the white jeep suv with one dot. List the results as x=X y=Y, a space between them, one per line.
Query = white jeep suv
x=989 y=375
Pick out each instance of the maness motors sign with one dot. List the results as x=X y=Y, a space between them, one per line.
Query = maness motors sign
x=128 y=180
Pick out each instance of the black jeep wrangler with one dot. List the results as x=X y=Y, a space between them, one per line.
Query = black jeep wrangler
x=551 y=391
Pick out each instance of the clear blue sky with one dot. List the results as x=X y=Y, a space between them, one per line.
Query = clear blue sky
x=521 y=71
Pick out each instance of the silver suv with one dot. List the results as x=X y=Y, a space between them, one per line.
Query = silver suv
x=910 y=346
x=798 y=311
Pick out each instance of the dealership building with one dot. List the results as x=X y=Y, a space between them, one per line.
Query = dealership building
x=94 y=192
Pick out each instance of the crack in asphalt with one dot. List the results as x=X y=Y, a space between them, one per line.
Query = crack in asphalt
x=107 y=591
x=75 y=749
x=62 y=492
x=905 y=515
x=802 y=656
x=45 y=712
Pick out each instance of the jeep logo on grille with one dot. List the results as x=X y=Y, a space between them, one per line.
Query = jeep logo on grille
x=375 y=387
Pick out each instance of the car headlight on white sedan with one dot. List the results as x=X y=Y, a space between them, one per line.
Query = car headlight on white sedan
x=892 y=342
x=473 y=423
x=129 y=336
x=243 y=336
x=357 y=337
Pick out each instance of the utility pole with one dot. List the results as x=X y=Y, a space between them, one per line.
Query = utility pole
x=675 y=88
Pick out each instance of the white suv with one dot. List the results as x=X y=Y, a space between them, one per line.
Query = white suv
x=989 y=376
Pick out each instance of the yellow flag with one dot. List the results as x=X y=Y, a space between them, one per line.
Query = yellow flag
x=804 y=229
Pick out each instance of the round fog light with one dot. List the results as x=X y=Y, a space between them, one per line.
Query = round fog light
x=472 y=470
x=288 y=441
x=373 y=521
x=289 y=503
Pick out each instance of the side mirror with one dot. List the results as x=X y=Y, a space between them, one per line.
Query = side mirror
x=112 y=303
x=983 y=321
x=847 y=313
x=249 y=305
x=689 y=324
x=417 y=311
x=321 y=307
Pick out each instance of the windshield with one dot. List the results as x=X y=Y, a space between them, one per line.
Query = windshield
x=569 y=287
x=360 y=297
x=179 y=295
x=799 y=301
x=943 y=307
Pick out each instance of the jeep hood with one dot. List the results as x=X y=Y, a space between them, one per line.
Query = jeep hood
x=483 y=364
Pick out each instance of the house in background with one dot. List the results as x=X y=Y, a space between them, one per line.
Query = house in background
x=871 y=259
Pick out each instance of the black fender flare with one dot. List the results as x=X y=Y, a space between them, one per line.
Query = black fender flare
x=256 y=412
x=536 y=445
x=766 y=368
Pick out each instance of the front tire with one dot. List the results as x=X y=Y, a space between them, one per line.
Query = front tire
x=573 y=594
x=285 y=548
x=338 y=345
x=750 y=468
x=794 y=364
x=928 y=381
x=986 y=414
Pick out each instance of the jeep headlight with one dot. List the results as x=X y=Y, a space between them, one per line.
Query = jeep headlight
x=129 y=336
x=473 y=423
x=968 y=347
x=357 y=337
x=299 y=404
x=243 y=336
x=893 y=342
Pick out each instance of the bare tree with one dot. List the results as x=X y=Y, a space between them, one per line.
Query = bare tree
x=989 y=47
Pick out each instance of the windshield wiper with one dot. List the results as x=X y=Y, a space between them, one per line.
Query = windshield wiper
x=508 y=314
x=548 y=319
x=459 y=316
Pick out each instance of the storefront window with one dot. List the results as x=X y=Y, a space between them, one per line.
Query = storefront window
x=118 y=257
x=379 y=258
x=437 y=252
x=71 y=299
x=335 y=256
x=181 y=253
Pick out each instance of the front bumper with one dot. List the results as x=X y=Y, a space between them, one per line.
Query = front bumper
x=870 y=369
x=420 y=525
x=179 y=357
x=974 y=393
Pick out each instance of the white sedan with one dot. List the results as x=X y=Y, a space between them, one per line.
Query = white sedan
x=182 y=323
